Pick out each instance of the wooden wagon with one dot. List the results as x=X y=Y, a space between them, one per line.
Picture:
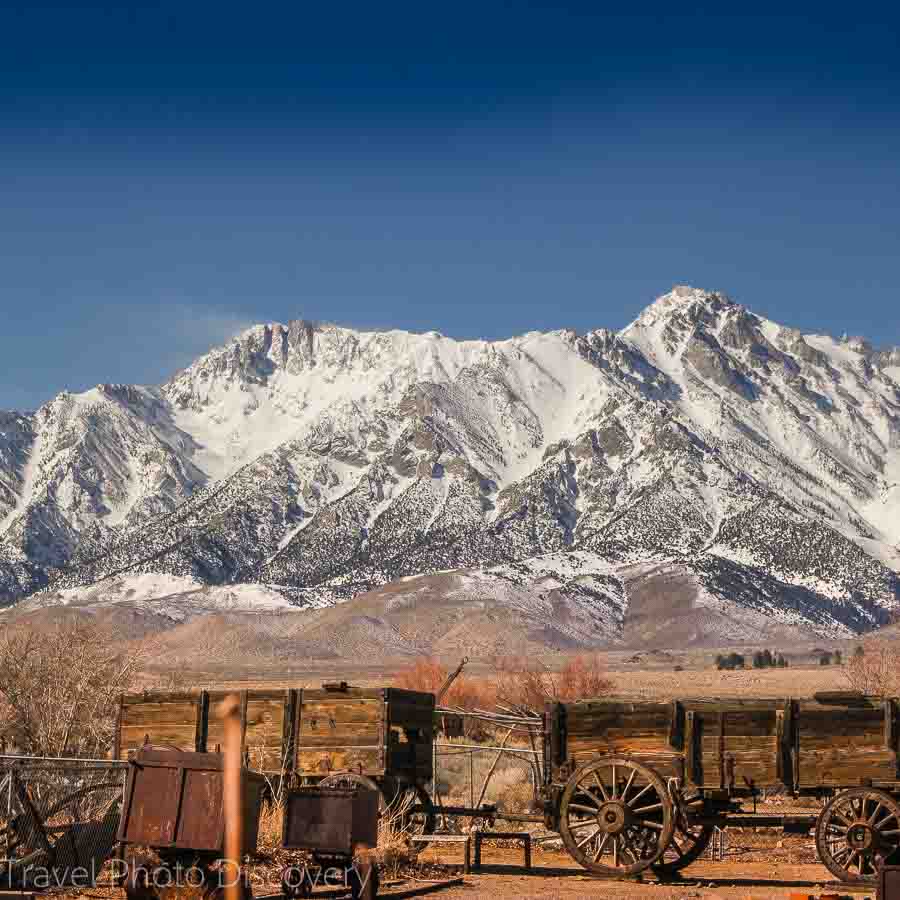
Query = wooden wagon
x=336 y=735
x=635 y=785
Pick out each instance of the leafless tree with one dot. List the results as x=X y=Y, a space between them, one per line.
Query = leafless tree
x=59 y=688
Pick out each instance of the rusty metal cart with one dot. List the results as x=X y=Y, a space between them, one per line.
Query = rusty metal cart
x=174 y=806
x=336 y=826
x=631 y=786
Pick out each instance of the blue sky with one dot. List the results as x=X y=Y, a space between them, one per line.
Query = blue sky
x=169 y=175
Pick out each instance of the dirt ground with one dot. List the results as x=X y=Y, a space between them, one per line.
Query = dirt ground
x=757 y=866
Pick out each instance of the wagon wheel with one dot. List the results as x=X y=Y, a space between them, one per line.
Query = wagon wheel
x=351 y=780
x=616 y=817
x=688 y=841
x=138 y=882
x=857 y=830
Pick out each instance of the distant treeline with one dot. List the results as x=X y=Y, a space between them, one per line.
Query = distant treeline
x=762 y=659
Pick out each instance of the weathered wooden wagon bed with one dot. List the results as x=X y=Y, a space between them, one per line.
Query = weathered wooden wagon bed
x=633 y=785
x=336 y=735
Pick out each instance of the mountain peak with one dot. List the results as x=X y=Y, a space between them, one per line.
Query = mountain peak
x=683 y=296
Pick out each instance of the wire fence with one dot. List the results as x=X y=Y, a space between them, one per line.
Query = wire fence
x=58 y=820
x=475 y=775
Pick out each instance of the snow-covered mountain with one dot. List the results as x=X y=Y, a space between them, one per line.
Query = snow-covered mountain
x=763 y=463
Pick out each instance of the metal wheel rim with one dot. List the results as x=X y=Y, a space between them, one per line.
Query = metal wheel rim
x=352 y=780
x=616 y=817
x=849 y=822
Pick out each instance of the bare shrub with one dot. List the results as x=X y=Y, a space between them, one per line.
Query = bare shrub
x=271 y=817
x=522 y=684
x=394 y=851
x=875 y=670
x=429 y=674
x=527 y=686
x=59 y=689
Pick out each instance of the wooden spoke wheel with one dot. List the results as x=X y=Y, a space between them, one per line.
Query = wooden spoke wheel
x=857 y=830
x=138 y=882
x=689 y=842
x=616 y=817
x=295 y=883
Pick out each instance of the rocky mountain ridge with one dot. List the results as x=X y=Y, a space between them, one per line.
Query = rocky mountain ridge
x=325 y=462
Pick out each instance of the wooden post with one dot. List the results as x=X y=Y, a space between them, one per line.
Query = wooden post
x=230 y=712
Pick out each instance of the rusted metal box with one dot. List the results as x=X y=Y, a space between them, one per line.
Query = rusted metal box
x=174 y=801
x=330 y=821
x=889 y=883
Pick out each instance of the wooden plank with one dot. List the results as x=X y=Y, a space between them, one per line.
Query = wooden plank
x=289 y=733
x=721 y=748
x=203 y=737
x=676 y=727
x=890 y=742
x=161 y=697
x=322 y=761
x=370 y=737
x=169 y=712
x=264 y=731
x=341 y=711
x=316 y=695
x=837 y=768
x=132 y=737
x=690 y=741
x=779 y=738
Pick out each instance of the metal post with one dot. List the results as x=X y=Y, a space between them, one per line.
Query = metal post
x=472 y=779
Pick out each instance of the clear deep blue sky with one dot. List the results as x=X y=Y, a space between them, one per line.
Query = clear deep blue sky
x=170 y=174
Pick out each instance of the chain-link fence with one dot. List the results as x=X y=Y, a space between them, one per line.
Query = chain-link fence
x=58 y=820
x=475 y=775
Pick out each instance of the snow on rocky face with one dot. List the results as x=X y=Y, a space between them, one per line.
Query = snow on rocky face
x=763 y=462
